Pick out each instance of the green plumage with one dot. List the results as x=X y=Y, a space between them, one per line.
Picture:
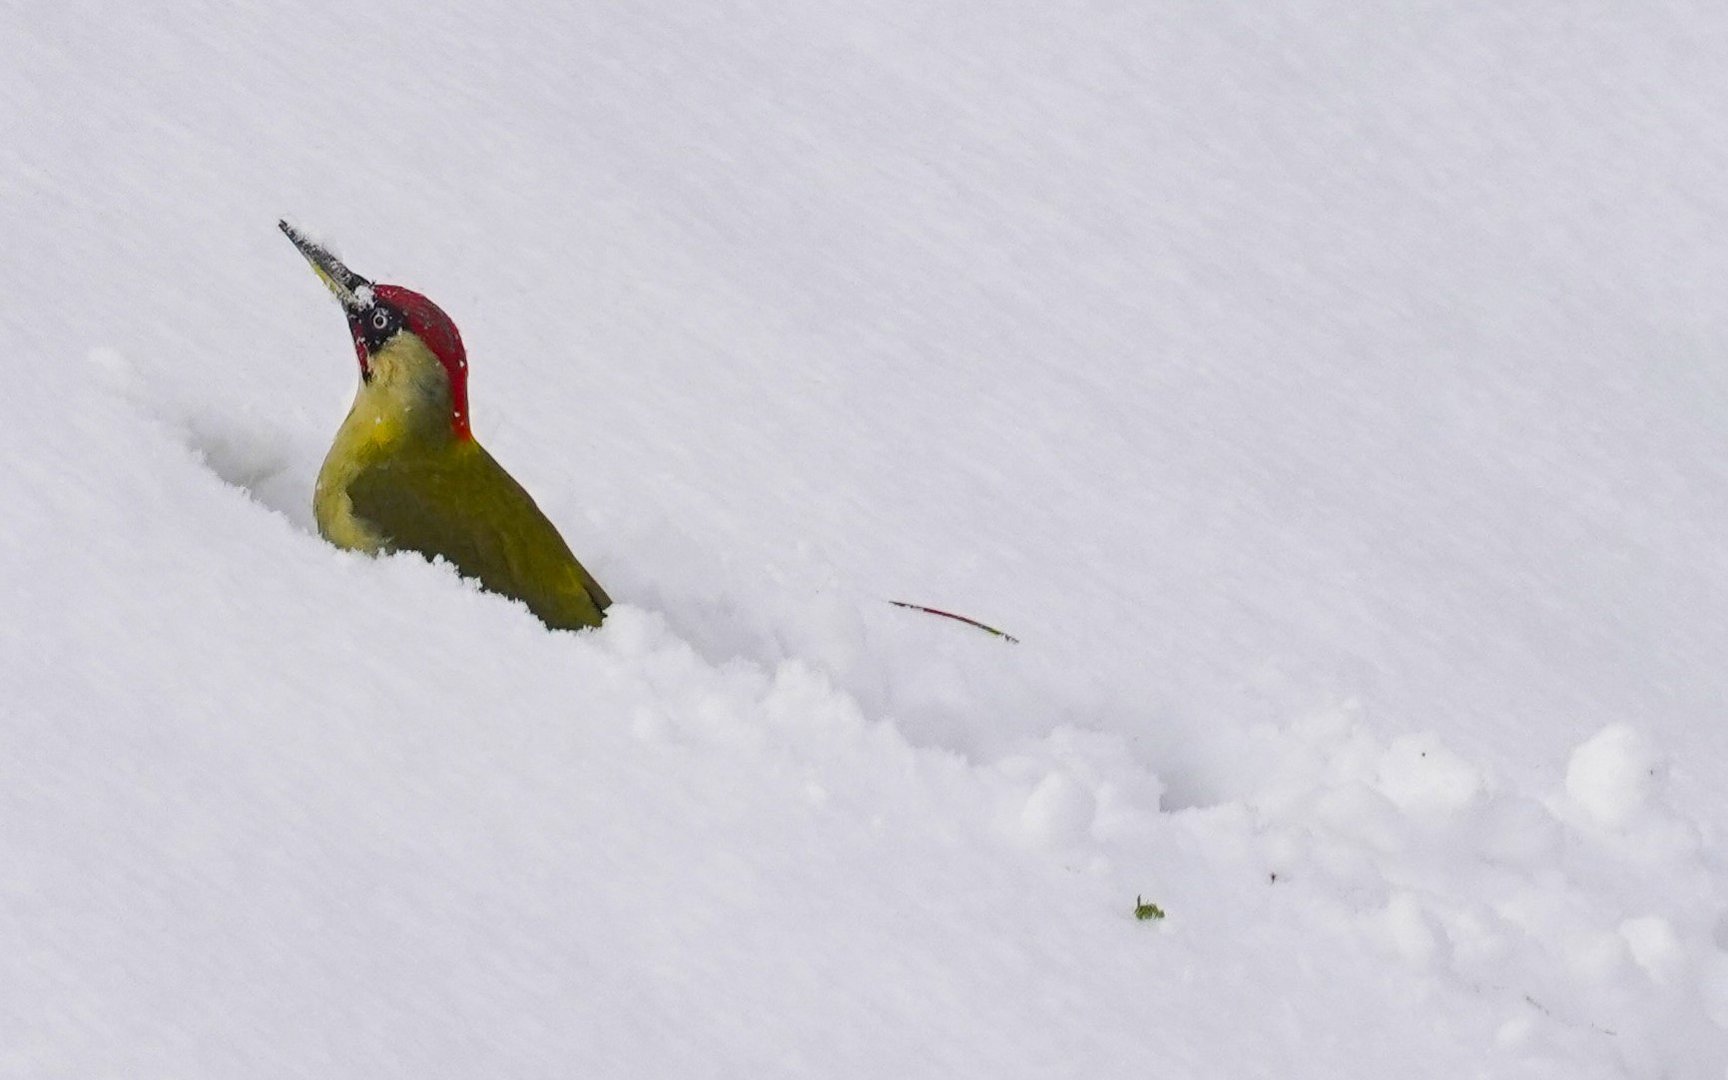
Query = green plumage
x=460 y=503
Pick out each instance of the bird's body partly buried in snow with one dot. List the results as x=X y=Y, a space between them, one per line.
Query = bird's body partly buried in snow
x=405 y=473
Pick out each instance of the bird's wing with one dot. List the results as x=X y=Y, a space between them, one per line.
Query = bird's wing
x=465 y=507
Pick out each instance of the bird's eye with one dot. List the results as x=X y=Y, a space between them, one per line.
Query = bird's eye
x=380 y=320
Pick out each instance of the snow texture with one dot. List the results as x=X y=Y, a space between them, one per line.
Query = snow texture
x=1331 y=399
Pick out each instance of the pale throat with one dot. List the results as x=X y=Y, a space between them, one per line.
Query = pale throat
x=407 y=397
x=403 y=410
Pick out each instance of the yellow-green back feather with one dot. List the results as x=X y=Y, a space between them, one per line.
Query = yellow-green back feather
x=457 y=502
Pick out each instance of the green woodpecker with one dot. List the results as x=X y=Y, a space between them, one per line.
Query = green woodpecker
x=405 y=473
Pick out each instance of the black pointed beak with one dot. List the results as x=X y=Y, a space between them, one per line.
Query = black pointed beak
x=354 y=291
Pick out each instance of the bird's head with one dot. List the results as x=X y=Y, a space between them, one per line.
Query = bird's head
x=391 y=325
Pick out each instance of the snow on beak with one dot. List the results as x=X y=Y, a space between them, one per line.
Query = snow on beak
x=354 y=291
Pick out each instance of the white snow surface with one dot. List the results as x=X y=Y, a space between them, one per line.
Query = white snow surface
x=1330 y=397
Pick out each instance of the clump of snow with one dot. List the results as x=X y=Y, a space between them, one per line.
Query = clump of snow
x=1655 y=946
x=1411 y=933
x=1611 y=777
x=1423 y=777
x=1058 y=812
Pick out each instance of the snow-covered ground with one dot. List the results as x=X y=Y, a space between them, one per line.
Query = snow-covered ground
x=1332 y=399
